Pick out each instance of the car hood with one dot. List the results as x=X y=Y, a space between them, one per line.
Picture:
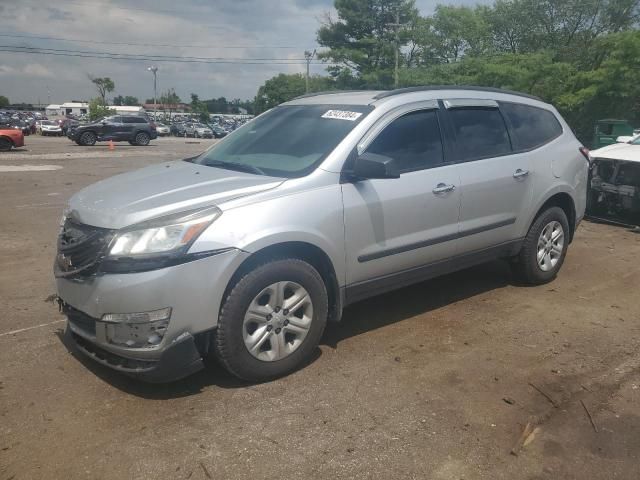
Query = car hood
x=618 y=151
x=160 y=190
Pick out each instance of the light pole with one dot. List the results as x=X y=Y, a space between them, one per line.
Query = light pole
x=153 y=69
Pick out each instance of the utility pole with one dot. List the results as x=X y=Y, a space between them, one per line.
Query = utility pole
x=395 y=76
x=153 y=69
x=396 y=26
x=308 y=57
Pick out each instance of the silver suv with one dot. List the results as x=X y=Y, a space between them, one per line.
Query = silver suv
x=249 y=249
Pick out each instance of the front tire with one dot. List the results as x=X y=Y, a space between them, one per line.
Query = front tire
x=88 y=139
x=272 y=320
x=544 y=248
x=5 y=144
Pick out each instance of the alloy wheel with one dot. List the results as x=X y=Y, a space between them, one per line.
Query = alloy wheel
x=277 y=321
x=550 y=246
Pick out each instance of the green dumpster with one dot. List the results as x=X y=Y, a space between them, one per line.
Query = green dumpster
x=608 y=130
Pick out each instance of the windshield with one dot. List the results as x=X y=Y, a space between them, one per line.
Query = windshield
x=288 y=141
x=635 y=141
x=48 y=122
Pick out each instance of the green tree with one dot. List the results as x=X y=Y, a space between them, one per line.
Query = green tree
x=283 y=87
x=362 y=40
x=451 y=33
x=103 y=85
x=98 y=110
x=169 y=100
x=127 y=100
x=199 y=107
x=4 y=101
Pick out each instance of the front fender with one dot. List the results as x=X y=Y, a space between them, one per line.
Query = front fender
x=311 y=216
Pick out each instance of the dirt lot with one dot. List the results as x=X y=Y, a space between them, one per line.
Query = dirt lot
x=432 y=381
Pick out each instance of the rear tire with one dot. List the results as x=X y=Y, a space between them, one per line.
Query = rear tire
x=282 y=283
x=544 y=248
x=142 y=139
x=88 y=139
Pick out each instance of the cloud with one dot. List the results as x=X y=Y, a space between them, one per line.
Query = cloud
x=238 y=29
x=37 y=70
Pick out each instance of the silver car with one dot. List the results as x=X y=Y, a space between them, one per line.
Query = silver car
x=249 y=249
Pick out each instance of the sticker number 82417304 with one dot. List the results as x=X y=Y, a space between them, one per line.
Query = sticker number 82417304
x=342 y=115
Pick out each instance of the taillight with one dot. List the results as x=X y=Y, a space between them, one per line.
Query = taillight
x=585 y=153
x=153 y=125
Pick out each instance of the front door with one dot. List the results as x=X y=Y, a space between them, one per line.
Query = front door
x=394 y=225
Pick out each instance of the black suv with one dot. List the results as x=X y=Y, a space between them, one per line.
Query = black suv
x=136 y=130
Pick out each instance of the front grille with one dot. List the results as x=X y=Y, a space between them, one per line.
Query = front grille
x=81 y=247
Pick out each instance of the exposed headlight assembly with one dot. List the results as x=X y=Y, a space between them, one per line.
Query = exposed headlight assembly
x=159 y=242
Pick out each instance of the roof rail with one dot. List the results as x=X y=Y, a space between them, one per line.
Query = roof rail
x=330 y=92
x=427 y=88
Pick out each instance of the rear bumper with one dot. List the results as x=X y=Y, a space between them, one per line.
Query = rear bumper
x=178 y=360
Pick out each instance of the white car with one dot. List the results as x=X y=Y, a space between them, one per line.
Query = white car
x=202 y=131
x=614 y=189
x=162 y=129
x=48 y=127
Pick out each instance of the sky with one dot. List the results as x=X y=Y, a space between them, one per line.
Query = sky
x=232 y=30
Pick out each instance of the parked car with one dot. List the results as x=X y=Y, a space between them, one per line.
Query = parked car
x=68 y=124
x=202 y=131
x=136 y=130
x=177 y=129
x=21 y=125
x=229 y=252
x=10 y=138
x=48 y=127
x=218 y=132
x=162 y=129
x=614 y=186
x=189 y=130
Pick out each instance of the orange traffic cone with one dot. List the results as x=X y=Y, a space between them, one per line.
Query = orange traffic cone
x=111 y=145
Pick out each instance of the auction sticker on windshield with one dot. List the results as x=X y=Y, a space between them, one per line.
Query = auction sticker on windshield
x=342 y=115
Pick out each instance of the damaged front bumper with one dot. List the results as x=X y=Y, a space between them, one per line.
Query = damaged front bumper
x=178 y=359
x=614 y=191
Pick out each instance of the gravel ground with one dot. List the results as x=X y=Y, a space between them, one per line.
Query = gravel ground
x=434 y=381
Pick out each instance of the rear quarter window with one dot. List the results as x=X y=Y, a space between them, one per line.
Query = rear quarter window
x=531 y=127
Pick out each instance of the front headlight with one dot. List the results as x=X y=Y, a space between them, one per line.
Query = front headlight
x=172 y=234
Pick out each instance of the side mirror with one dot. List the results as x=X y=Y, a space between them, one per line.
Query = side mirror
x=372 y=165
x=103 y=122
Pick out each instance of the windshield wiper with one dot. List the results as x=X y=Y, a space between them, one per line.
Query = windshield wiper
x=241 y=167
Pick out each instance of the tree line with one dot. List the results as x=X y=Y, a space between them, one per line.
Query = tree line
x=99 y=107
x=581 y=55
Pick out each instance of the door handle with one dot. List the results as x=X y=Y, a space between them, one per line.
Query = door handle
x=520 y=173
x=443 y=188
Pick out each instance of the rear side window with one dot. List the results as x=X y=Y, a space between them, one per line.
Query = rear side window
x=532 y=127
x=133 y=120
x=479 y=133
x=412 y=140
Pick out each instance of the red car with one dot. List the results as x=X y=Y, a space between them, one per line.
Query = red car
x=10 y=137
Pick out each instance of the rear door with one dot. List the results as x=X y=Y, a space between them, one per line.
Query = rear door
x=495 y=181
x=129 y=126
x=394 y=225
